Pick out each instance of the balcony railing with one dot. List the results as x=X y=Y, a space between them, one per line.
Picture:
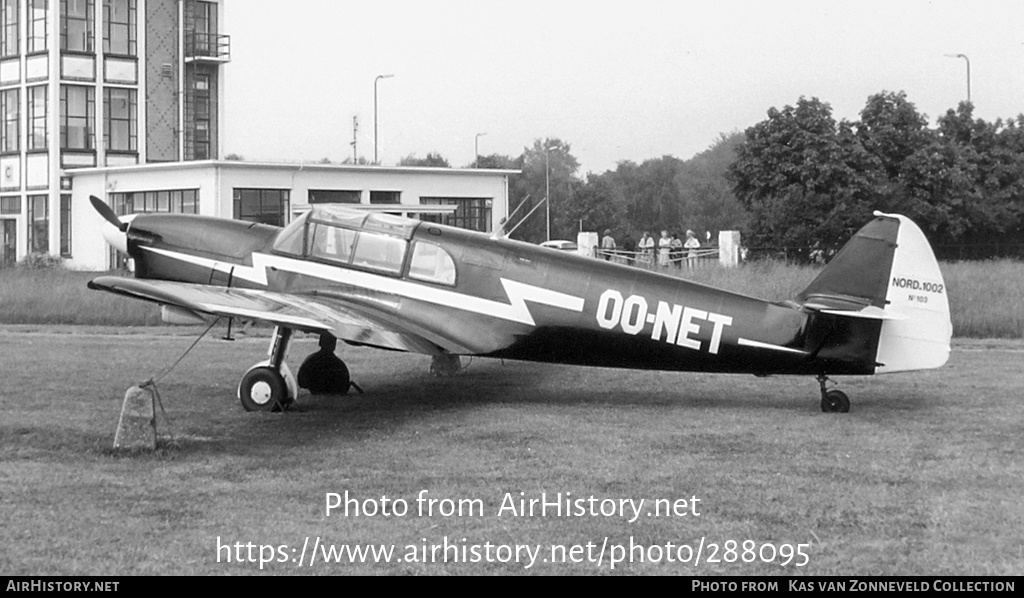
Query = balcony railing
x=213 y=47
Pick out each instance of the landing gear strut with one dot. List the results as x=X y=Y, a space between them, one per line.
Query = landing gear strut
x=270 y=385
x=322 y=373
x=833 y=401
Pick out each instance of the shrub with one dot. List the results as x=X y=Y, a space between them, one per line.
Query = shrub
x=41 y=261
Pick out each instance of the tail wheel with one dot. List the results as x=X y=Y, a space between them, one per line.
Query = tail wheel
x=263 y=389
x=835 y=401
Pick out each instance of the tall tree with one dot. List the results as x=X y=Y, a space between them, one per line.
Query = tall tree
x=433 y=159
x=591 y=206
x=707 y=200
x=548 y=164
x=648 y=194
x=805 y=178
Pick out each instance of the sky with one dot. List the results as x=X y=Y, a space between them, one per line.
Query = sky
x=631 y=80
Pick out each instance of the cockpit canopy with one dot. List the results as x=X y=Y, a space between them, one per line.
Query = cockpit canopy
x=367 y=240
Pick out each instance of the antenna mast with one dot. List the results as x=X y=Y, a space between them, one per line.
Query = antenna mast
x=354 y=144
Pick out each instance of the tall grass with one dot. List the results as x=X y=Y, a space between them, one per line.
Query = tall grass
x=986 y=298
x=58 y=296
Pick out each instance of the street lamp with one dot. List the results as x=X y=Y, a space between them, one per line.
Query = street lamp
x=476 y=150
x=968 y=60
x=547 y=186
x=375 y=81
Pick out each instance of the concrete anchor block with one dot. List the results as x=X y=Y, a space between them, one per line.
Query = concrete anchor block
x=445 y=366
x=137 y=427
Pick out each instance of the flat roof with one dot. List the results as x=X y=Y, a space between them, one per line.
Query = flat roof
x=296 y=166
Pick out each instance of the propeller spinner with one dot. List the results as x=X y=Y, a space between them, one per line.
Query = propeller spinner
x=118 y=238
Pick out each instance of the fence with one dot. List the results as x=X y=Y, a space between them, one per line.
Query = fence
x=677 y=260
x=973 y=252
x=944 y=253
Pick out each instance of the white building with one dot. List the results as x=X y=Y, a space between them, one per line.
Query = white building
x=90 y=83
x=275 y=193
x=124 y=99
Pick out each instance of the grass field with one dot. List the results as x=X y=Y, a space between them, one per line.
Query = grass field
x=986 y=298
x=924 y=476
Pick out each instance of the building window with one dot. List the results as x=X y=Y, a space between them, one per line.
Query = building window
x=9 y=28
x=77 y=25
x=77 y=117
x=120 y=115
x=10 y=205
x=202 y=110
x=385 y=197
x=65 y=225
x=10 y=136
x=204 y=29
x=37 y=30
x=177 y=201
x=119 y=27
x=267 y=206
x=470 y=213
x=38 y=224
x=37 y=105
x=334 y=196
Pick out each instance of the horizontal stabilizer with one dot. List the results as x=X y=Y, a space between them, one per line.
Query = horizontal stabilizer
x=850 y=308
x=869 y=313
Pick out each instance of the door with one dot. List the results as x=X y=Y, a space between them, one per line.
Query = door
x=8 y=243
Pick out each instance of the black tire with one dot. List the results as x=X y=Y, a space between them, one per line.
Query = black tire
x=322 y=373
x=263 y=389
x=835 y=401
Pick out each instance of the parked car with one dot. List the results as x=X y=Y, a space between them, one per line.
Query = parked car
x=560 y=245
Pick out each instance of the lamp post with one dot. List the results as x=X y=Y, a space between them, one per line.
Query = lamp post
x=968 y=61
x=375 y=81
x=547 y=186
x=476 y=150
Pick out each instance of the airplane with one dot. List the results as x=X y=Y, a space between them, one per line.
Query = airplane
x=376 y=280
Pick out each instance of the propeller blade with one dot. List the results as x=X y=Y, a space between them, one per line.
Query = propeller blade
x=107 y=213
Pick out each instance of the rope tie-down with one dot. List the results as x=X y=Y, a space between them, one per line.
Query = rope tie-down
x=137 y=426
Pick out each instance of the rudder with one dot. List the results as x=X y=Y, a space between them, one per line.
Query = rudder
x=920 y=338
x=889 y=273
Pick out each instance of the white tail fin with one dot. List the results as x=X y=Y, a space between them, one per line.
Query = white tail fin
x=919 y=336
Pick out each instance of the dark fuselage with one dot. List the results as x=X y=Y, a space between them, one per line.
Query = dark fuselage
x=519 y=301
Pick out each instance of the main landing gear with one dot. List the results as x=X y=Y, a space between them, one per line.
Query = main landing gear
x=270 y=385
x=833 y=401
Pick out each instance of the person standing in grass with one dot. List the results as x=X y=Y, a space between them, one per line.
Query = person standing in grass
x=664 y=250
x=677 y=251
x=692 y=245
x=629 y=246
x=607 y=245
x=646 y=248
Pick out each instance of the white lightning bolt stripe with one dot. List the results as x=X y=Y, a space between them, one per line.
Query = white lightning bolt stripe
x=759 y=345
x=515 y=310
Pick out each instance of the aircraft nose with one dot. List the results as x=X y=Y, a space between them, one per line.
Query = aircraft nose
x=114 y=237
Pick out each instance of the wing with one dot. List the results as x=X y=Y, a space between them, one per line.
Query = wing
x=357 y=324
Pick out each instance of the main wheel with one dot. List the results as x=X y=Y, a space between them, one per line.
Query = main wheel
x=263 y=389
x=835 y=401
x=322 y=373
